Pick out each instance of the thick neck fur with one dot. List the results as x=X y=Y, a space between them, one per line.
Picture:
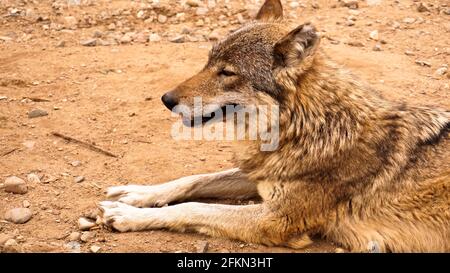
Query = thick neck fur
x=330 y=123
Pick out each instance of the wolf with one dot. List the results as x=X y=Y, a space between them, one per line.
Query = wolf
x=351 y=167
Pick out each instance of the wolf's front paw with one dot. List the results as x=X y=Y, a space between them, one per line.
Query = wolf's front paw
x=119 y=216
x=126 y=218
x=140 y=196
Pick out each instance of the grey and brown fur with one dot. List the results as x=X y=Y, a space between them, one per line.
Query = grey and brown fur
x=351 y=167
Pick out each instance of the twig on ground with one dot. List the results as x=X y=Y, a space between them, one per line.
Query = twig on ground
x=9 y=152
x=85 y=144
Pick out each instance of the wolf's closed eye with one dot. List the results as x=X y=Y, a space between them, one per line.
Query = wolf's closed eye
x=227 y=73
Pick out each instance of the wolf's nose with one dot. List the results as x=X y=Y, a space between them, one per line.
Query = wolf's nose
x=170 y=100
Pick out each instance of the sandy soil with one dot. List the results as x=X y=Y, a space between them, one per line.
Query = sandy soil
x=110 y=95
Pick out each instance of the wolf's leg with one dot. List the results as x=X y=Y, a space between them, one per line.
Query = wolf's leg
x=231 y=184
x=252 y=223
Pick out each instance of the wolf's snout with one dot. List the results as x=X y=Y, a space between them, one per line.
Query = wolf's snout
x=170 y=100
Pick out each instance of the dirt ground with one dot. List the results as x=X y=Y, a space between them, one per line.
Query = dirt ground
x=109 y=94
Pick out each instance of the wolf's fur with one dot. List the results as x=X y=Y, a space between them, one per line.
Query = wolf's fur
x=351 y=167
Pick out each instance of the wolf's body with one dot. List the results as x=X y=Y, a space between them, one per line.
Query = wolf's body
x=351 y=167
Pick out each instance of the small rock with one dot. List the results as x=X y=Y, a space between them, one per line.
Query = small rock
x=74 y=236
x=409 y=53
x=112 y=26
x=70 y=22
x=5 y=38
x=178 y=39
x=95 y=249
x=11 y=246
x=37 y=113
x=162 y=19
x=193 y=3
x=441 y=71
x=61 y=44
x=75 y=163
x=89 y=42
x=33 y=178
x=125 y=39
x=376 y=47
x=423 y=63
x=142 y=38
x=87 y=236
x=18 y=215
x=84 y=224
x=79 y=179
x=202 y=247
x=422 y=8
x=374 y=35
x=201 y=11
x=15 y=185
x=355 y=43
x=73 y=247
x=4 y=238
x=154 y=37
x=351 y=4
x=409 y=20
x=26 y=204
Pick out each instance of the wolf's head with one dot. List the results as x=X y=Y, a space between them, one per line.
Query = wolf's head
x=245 y=65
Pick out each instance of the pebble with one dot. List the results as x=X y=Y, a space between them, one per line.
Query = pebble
x=351 y=4
x=75 y=163
x=79 y=179
x=95 y=249
x=355 y=44
x=33 y=178
x=162 y=19
x=112 y=26
x=84 y=224
x=18 y=215
x=4 y=238
x=154 y=37
x=61 y=44
x=377 y=47
x=193 y=3
x=37 y=113
x=441 y=71
x=89 y=42
x=178 y=39
x=201 y=11
x=87 y=236
x=73 y=247
x=409 y=20
x=374 y=35
x=74 y=236
x=202 y=247
x=70 y=22
x=423 y=63
x=15 y=185
x=11 y=246
x=422 y=8
x=26 y=204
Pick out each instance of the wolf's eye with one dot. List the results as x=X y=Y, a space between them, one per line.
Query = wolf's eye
x=227 y=73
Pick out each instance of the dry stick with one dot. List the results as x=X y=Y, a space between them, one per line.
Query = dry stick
x=9 y=152
x=36 y=99
x=85 y=144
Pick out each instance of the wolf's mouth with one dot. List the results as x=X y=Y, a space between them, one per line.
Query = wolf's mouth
x=202 y=120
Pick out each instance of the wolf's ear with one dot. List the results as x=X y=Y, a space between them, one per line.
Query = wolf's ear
x=271 y=10
x=297 y=48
